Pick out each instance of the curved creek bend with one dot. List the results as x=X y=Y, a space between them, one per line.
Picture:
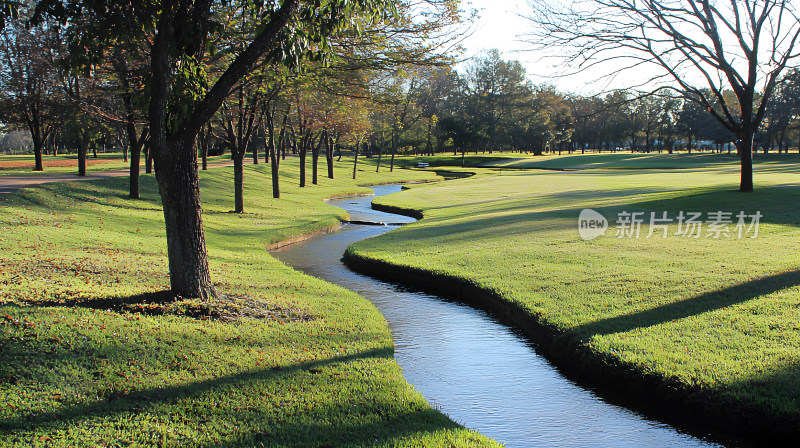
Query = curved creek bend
x=476 y=370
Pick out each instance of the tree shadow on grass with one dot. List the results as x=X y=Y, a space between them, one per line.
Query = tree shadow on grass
x=226 y=307
x=703 y=303
x=353 y=420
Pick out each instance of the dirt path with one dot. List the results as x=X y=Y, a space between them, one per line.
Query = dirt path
x=9 y=184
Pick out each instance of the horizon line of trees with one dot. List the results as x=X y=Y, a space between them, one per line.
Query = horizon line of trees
x=404 y=109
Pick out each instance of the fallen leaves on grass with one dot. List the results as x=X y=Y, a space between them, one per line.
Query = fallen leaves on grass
x=225 y=308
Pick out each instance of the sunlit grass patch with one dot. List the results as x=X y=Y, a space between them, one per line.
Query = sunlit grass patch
x=90 y=355
x=715 y=314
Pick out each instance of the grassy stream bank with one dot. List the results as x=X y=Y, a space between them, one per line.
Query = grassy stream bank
x=708 y=326
x=92 y=353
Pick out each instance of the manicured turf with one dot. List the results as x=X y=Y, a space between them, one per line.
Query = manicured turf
x=618 y=161
x=716 y=314
x=316 y=371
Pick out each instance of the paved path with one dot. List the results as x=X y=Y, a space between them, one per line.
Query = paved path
x=13 y=183
x=9 y=184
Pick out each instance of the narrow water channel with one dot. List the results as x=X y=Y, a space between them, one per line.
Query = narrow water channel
x=478 y=371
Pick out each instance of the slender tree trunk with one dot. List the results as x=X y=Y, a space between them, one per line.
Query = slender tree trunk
x=238 y=179
x=135 y=147
x=282 y=138
x=302 y=164
x=428 y=144
x=136 y=151
x=38 y=142
x=315 y=158
x=329 y=156
x=270 y=148
x=355 y=159
x=745 y=146
x=394 y=149
x=82 y=152
x=204 y=138
x=148 y=159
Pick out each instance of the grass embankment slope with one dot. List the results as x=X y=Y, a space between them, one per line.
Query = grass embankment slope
x=315 y=369
x=714 y=320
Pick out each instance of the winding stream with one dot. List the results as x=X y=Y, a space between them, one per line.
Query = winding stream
x=478 y=371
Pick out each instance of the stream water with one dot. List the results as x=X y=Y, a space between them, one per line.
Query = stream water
x=478 y=371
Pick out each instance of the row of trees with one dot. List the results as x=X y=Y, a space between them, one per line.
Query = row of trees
x=175 y=77
x=492 y=106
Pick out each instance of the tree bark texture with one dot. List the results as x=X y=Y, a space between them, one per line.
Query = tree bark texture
x=179 y=186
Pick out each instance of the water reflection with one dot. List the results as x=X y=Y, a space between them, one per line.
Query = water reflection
x=476 y=370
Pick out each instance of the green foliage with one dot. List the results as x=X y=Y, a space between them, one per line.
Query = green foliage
x=189 y=86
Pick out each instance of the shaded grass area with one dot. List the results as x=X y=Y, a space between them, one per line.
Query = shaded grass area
x=78 y=367
x=713 y=315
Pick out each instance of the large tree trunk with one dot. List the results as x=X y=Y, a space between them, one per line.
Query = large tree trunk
x=179 y=185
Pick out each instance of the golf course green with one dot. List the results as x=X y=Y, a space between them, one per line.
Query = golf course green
x=706 y=322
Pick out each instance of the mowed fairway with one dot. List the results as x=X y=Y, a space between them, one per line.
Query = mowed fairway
x=720 y=315
x=315 y=368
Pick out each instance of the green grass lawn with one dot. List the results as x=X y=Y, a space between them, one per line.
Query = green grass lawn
x=719 y=315
x=316 y=369
x=618 y=161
